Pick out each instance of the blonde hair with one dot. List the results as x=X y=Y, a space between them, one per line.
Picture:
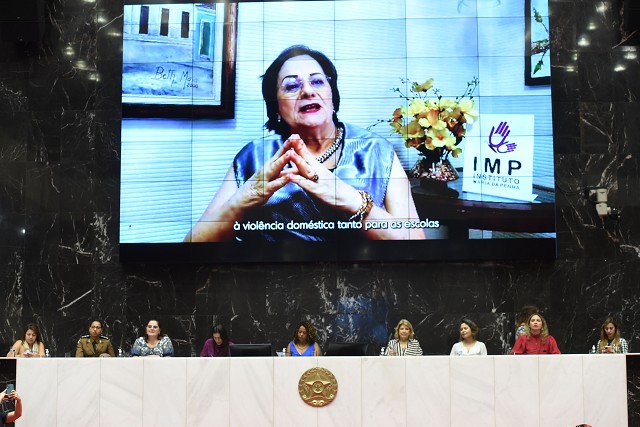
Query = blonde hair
x=544 y=332
x=604 y=340
x=403 y=322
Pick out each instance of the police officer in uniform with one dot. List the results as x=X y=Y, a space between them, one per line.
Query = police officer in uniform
x=95 y=344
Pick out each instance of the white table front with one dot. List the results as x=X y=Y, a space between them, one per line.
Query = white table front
x=536 y=391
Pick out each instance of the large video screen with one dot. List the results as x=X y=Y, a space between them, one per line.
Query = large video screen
x=346 y=130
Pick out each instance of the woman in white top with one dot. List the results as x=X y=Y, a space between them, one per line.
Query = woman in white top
x=468 y=346
x=29 y=346
x=403 y=342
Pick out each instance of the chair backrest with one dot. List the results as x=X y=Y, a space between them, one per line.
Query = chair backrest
x=347 y=349
x=250 y=350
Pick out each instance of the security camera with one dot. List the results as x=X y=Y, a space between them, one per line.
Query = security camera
x=599 y=196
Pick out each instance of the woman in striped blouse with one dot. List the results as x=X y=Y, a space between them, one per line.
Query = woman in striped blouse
x=403 y=342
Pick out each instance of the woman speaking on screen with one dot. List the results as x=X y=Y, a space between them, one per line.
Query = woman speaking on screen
x=316 y=178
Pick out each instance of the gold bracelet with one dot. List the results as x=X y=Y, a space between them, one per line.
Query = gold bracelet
x=365 y=208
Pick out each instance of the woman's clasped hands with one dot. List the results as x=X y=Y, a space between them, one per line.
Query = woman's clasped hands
x=294 y=163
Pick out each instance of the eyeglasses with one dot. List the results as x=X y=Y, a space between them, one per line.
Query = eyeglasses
x=291 y=85
x=152 y=326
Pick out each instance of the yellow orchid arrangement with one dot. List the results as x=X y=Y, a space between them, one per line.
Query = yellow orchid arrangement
x=435 y=126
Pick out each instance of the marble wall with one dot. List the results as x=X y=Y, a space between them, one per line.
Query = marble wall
x=59 y=210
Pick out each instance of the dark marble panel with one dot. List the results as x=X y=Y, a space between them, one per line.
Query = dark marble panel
x=630 y=315
x=566 y=128
x=571 y=331
x=13 y=93
x=156 y=289
x=12 y=187
x=42 y=238
x=43 y=188
x=565 y=87
x=57 y=298
x=14 y=132
x=562 y=31
x=108 y=95
x=71 y=29
x=43 y=141
x=626 y=127
x=302 y=290
x=63 y=85
x=597 y=26
x=633 y=389
x=429 y=330
x=12 y=230
x=12 y=270
x=238 y=293
x=596 y=127
x=109 y=31
x=85 y=238
x=596 y=77
x=627 y=65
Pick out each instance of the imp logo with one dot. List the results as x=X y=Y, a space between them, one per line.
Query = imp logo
x=504 y=146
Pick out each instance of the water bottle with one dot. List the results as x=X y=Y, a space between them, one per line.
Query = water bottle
x=593 y=349
x=46 y=353
x=119 y=352
x=382 y=351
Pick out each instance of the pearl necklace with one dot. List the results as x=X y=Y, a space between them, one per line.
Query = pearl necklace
x=325 y=156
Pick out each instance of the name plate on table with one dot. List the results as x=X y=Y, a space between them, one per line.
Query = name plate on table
x=498 y=157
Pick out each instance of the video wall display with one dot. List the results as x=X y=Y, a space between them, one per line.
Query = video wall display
x=347 y=130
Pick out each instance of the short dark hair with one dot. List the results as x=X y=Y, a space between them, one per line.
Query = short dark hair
x=160 y=334
x=472 y=325
x=270 y=85
x=96 y=320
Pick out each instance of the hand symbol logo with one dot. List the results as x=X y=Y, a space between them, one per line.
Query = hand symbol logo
x=503 y=146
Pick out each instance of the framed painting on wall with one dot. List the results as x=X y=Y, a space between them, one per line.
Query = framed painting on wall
x=179 y=59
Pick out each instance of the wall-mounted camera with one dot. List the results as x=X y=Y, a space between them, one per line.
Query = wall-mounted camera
x=598 y=195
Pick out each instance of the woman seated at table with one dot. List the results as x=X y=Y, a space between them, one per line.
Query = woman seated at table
x=30 y=345
x=154 y=343
x=468 y=345
x=304 y=341
x=218 y=344
x=95 y=344
x=403 y=342
x=536 y=338
x=610 y=341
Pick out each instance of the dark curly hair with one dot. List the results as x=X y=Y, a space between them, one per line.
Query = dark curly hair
x=312 y=333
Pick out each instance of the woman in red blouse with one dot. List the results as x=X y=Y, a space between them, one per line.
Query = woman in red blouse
x=536 y=338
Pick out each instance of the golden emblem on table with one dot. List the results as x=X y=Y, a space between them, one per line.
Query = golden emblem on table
x=318 y=387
